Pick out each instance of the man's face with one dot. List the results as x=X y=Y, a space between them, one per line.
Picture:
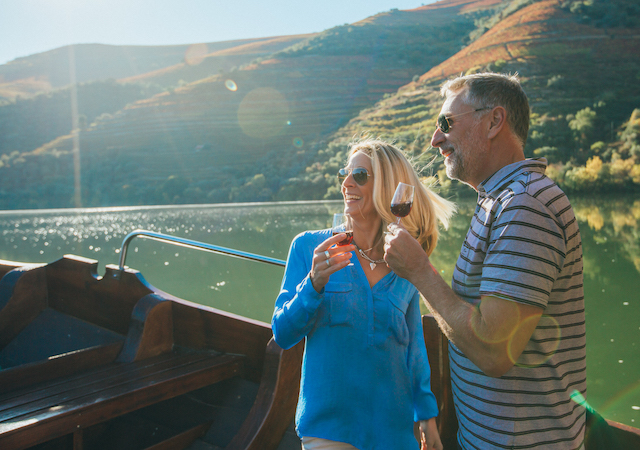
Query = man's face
x=462 y=146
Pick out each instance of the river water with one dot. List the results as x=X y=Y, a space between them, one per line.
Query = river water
x=610 y=230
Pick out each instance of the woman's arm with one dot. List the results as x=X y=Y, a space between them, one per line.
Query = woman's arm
x=302 y=290
x=429 y=436
x=425 y=405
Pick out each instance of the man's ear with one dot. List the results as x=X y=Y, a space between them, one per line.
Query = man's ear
x=498 y=121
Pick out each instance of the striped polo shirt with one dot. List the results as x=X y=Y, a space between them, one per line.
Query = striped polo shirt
x=524 y=245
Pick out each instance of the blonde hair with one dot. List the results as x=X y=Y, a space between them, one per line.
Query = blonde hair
x=390 y=166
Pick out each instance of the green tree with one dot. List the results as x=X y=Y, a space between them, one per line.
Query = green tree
x=583 y=126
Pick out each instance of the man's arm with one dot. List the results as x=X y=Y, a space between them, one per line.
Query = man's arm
x=492 y=334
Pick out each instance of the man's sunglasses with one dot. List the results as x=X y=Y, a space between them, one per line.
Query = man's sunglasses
x=360 y=175
x=443 y=121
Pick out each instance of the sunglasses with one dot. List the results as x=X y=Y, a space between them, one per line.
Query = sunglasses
x=360 y=175
x=443 y=121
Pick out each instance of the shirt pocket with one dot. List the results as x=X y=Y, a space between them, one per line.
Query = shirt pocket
x=339 y=296
x=398 y=306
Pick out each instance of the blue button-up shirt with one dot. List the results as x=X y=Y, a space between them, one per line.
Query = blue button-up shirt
x=365 y=373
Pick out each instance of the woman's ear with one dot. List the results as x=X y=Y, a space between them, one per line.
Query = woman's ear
x=498 y=116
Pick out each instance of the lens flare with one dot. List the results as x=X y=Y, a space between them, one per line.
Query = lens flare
x=624 y=406
x=545 y=349
x=195 y=54
x=506 y=331
x=298 y=142
x=263 y=113
x=231 y=85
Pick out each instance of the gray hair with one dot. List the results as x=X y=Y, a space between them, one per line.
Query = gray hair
x=488 y=90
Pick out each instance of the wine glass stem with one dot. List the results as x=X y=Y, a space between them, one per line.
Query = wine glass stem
x=398 y=221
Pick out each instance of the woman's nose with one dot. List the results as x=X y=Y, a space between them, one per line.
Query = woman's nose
x=349 y=180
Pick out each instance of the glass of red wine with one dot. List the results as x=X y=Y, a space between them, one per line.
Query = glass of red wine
x=402 y=201
x=342 y=224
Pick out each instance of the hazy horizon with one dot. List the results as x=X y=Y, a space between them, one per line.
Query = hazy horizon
x=36 y=26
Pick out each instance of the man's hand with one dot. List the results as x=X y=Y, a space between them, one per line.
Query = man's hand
x=404 y=254
x=492 y=334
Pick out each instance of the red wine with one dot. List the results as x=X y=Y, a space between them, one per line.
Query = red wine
x=401 y=209
x=347 y=240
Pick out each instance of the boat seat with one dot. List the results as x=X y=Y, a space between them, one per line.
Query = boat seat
x=51 y=334
x=67 y=405
x=65 y=373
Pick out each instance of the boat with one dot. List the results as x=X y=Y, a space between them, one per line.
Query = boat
x=111 y=362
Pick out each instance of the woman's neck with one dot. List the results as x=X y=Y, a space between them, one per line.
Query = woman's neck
x=367 y=235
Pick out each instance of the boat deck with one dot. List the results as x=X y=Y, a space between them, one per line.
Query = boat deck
x=64 y=405
x=92 y=362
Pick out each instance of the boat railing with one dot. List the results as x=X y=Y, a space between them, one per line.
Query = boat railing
x=182 y=242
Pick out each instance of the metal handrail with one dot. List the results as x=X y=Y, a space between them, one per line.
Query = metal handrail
x=192 y=244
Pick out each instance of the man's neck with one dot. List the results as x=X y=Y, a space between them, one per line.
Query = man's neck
x=503 y=158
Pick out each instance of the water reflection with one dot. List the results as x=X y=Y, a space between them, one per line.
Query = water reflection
x=609 y=227
x=616 y=220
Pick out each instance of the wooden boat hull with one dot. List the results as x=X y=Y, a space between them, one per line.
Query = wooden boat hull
x=109 y=362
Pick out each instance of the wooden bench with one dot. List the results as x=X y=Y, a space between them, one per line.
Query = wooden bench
x=48 y=395
x=68 y=405
x=85 y=357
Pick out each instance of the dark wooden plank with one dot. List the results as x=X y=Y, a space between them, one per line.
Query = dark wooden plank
x=23 y=295
x=151 y=329
x=61 y=418
x=78 y=439
x=275 y=404
x=108 y=301
x=182 y=440
x=63 y=391
x=628 y=437
x=438 y=354
x=8 y=266
x=64 y=365
x=201 y=327
x=602 y=434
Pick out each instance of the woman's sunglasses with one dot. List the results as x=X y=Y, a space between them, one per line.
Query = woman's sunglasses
x=443 y=121
x=360 y=175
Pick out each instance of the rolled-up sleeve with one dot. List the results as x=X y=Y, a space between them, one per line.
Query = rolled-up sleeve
x=298 y=302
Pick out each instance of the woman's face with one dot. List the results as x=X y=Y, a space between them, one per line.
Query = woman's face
x=358 y=200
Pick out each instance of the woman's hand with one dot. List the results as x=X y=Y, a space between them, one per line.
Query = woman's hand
x=429 y=436
x=327 y=260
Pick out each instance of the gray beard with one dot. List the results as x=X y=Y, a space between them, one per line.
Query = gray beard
x=455 y=167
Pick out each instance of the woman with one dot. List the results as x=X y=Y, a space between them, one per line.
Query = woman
x=365 y=374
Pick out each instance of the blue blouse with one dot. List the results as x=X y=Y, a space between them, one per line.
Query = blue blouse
x=365 y=372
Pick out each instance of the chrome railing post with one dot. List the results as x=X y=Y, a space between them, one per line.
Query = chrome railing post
x=192 y=244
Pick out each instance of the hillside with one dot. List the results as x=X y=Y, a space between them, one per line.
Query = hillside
x=29 y=122
x=270 y=119
x=576 y=71
x=235 y=136
x=43 y=72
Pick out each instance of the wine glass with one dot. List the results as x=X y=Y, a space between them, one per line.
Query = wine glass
x=402 y=201
x=342 y=223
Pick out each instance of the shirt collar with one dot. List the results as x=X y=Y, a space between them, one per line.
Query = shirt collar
x=509 y=172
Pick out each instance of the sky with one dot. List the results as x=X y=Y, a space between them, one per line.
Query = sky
x=34 y=26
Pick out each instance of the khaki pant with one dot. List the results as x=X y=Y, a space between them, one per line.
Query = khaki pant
x=311 y=443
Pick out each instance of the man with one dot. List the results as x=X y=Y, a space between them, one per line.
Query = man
x=514 y=315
